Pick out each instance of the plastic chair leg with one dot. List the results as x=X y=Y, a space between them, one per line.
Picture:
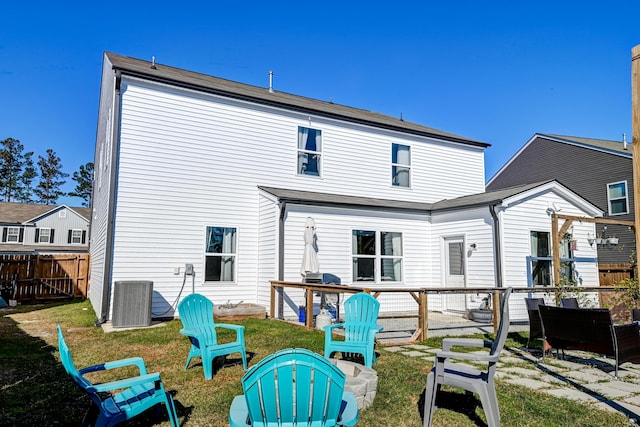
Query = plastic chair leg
x=429 y=400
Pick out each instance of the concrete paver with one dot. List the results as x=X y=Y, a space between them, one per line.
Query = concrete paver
x=588 y=380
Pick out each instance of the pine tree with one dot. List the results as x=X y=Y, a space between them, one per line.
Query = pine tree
x=29 y=173
x=16 y=171
x=51 y=178
x=84 y=180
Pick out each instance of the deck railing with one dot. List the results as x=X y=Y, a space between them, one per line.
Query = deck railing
x=418 y=295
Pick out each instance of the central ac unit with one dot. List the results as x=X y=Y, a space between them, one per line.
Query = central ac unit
x=132 y=303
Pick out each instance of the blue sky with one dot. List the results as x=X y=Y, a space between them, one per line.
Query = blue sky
x=494 y=71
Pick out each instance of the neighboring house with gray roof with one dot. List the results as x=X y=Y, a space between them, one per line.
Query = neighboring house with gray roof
x=43 y=229
x=222 y=176
x=600 y=171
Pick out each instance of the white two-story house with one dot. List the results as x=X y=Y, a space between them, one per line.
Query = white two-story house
x=196 y=170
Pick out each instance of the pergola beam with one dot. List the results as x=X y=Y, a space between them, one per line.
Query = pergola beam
x=557 y=233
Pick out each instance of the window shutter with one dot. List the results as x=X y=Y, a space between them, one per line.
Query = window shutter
x=84 y=236
x=69 y=236
x=51 y=236
x=37 y=234
x=21 y=235
x=4 y=234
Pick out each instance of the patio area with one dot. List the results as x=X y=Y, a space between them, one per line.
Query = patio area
x=581 y=377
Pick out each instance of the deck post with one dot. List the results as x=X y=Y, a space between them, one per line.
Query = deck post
x=423 y=317
x=309 y=308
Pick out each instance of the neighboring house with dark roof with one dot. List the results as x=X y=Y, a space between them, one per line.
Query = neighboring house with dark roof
x=600 y=171
x=44 y=229
x=222 y=176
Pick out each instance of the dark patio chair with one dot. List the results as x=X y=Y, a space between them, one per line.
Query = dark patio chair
x=535 y=325
x=569 y=302
x=635 y=314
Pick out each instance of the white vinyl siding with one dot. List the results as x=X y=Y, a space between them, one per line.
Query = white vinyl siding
x=334 y=227
x=165 y=200
x=530 y=215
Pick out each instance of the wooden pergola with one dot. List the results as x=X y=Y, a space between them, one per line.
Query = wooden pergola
x=635 y=122
x=558 y=232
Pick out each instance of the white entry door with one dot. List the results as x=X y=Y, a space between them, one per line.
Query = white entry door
x=454 y=273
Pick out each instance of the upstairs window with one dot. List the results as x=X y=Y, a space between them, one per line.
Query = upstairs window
x=617 y=196
x=12 y=234
x=309 y=151
x=377 y=256
x=77 y=237
x=44 y=235
x=400 y=165
x=220 y=254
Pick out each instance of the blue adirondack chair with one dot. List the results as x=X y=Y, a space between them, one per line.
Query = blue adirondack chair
x=196 y=314
x=360 y=328
x=294 y=387
x=128 y=397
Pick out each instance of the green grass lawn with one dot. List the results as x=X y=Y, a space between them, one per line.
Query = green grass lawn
x=36 y=391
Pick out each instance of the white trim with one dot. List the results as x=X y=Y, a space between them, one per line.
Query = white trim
x=235 y=255
x=562 y=191
x=626 y=198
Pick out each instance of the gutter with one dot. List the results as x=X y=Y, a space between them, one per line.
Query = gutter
x=283 y=211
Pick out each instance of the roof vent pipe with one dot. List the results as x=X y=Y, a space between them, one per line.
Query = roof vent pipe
x=624 y=141
x=271 y=81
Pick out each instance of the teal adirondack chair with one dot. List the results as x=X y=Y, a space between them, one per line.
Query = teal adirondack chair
x=196 y=314
x=128 y=397
x=360 y=328
x=294 y=387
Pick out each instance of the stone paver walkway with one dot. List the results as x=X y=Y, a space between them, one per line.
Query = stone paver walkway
x=580 y=376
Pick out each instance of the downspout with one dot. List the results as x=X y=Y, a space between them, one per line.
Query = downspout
x=496 y=245
x=115 y=148
x=283 y=211
x=280 y=277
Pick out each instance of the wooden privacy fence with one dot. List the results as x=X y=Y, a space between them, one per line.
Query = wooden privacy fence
x=34 y=277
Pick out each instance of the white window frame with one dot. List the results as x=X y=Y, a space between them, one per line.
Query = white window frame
x=73 y=237
x=48 y=234
x=10 y=234
x=302 y=151
x=395 y=165
x=222 y=254
x=610 y=199
x=377 y=258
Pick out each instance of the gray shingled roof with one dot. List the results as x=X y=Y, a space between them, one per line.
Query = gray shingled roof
x=183 y=78
x=18 y=213
x=325 y=199
x=472 y=200
x=486 y=198
x=602 y=144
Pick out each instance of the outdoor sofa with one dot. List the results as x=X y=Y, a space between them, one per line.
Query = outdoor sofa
x=592 y=330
